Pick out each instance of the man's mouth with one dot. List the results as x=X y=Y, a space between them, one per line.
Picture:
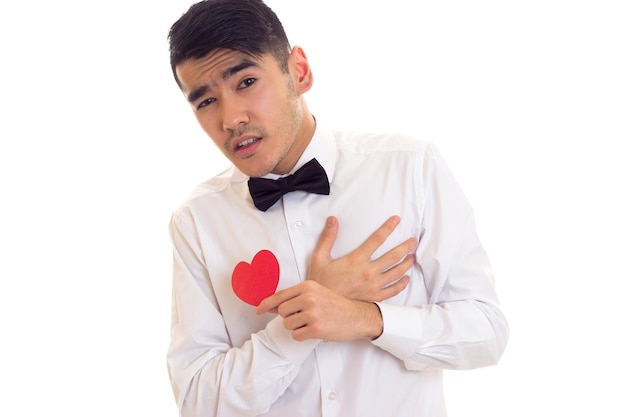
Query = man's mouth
x=246 y=142
x=247 y=146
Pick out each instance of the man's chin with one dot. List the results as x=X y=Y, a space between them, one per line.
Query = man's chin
x=253 y=170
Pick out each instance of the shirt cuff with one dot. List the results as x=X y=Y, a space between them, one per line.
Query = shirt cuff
x=402 y=330
x=280 y=339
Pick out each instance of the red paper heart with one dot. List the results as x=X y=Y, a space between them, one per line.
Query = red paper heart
x=256 y=281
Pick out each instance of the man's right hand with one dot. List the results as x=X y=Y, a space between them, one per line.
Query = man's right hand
x=356 y=275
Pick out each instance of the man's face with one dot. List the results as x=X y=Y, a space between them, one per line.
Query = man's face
x=249 y=107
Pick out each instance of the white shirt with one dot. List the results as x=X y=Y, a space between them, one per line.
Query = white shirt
x=224 y=360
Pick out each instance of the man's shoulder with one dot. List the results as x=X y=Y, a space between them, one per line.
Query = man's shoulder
x=213 y=186
x=378 y=142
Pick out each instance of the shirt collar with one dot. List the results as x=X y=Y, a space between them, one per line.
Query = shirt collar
x=322 y=147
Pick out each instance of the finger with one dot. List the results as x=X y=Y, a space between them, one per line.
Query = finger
x=272 y=302
x=396 y=254
x=306 y=332
x=379 y=236
x=393 y=289
x=398 y=270
x=294 y=321
x=327 y=240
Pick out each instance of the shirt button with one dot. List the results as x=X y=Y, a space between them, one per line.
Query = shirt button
x=332 y=395
x=298 y=225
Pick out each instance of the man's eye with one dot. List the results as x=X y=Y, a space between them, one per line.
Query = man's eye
x=247 y=82
x=206 y=102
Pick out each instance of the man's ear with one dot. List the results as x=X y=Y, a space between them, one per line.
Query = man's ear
x=300 y=70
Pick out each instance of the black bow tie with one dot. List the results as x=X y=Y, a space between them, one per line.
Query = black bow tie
x=310 y=177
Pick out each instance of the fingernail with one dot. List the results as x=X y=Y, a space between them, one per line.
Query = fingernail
x=331 y=221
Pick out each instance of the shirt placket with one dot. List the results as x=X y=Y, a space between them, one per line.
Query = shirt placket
x=328 y=357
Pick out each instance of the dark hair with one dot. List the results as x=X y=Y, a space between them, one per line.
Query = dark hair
x=247 y=26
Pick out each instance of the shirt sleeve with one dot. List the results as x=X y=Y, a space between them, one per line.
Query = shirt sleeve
x=462 y=325
x=209 y=376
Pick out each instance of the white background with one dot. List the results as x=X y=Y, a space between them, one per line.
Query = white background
x=525 y=99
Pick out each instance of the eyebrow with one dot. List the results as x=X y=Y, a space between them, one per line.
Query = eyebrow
x=226 y=74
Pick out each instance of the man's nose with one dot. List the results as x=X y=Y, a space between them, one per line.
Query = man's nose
x=233 y=114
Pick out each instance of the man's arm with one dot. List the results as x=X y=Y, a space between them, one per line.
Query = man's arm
x=460 y=327
x=211 y=377
x=336 y=302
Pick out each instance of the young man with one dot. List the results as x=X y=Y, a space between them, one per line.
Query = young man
x=275 y=310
